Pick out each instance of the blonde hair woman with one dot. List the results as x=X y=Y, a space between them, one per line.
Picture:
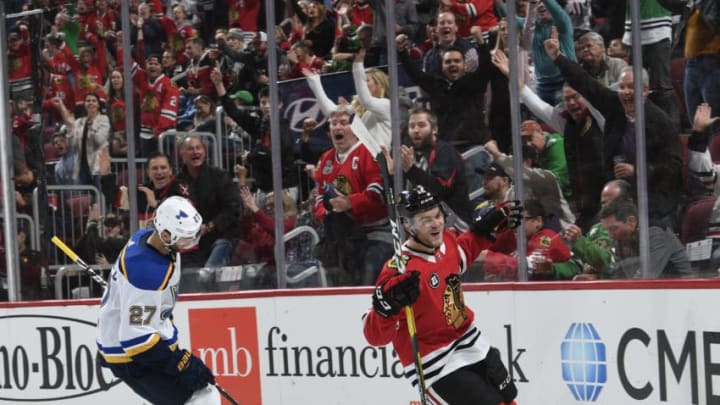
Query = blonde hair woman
x=371 y=103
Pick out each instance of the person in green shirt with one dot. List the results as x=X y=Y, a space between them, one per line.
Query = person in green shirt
x=551 y=152
x=594 y=250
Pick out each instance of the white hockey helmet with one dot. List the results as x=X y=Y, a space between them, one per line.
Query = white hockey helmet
x=180 y=219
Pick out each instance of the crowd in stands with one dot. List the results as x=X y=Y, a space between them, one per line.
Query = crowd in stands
x=576 y=86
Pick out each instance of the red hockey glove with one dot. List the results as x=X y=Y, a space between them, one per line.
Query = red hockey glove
x=397 y=292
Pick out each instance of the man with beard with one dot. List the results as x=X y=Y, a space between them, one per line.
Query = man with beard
x=435 y=165
x=457 y=97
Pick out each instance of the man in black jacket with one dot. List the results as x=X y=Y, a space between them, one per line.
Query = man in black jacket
x=217 y=200
x=662 y=148
x=456 y=97
x=259 y=159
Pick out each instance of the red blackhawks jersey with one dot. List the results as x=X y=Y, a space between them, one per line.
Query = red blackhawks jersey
x=243 y=14
x=500 y=259
x=177 y=37
x=20 y=66
x=356 y=176
x=470 y=13
x=447 y=336
x=198 y=75
x=158 y=105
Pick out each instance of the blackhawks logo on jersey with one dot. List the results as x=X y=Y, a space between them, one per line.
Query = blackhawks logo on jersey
x=393 y=263
x=342 y=184
x=176 y=44
x=117 y=113
x=454 y=302
x=545 y=241
x=150 y=102
x=84 y=81
x=15 y=64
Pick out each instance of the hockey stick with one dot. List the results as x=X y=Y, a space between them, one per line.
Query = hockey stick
x=226 y=394
x=390 y=200
x=80 y=262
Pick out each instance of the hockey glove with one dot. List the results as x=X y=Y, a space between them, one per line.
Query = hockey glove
x=329 y=192
x=395 y=293
x=190 y=371
x=493 y=218
x=497 y=375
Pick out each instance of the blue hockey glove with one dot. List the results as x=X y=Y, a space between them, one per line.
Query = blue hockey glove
x=491 y=218
x=190 y=371
x=397 y=292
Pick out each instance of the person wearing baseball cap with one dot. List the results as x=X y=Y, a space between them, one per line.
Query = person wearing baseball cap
x=496 y=182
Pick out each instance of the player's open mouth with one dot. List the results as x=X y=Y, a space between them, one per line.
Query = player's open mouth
x=339 y=136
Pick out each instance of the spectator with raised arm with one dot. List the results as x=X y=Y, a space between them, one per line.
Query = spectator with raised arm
x=447 y=37
x=259 y=158
x=89 y=137
x=662 y=148
x=581 y=126
x=474 y=13
x=548 y=80
x=318 y=31
x=456 y=96
x=371 y=104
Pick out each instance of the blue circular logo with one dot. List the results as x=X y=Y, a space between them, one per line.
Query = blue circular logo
x=583 y=360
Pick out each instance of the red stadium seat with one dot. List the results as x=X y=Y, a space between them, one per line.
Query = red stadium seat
x=78 y=206
x=714 y=146
x=677 y=75
x=695 y=221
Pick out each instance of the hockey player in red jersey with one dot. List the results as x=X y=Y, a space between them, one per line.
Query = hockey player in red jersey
x=460 y=367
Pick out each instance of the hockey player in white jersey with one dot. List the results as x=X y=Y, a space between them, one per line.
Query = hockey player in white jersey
x=136 y=338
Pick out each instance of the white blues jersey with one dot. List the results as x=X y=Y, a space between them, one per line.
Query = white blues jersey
x=136 y=309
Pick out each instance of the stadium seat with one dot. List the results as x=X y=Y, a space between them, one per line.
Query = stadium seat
x=714 y=147
x=684 y=142
x=695 y=221
x=78 y=206
x=677 y=75
x=49 y=153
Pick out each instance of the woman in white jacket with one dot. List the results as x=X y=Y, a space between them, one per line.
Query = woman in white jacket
x=94 y=131
x=371 y=103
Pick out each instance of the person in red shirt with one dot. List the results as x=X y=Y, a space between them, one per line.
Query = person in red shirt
x=20 y=63
x=349 y=202
x=460 y=366
x=548 y=256
x=88 y=76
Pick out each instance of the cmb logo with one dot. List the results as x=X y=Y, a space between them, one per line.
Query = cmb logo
x=583 y=360
x=226 y=340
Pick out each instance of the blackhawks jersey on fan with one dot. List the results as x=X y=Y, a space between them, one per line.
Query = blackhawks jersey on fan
x=356 y=176
x=447 y=336
x=159 y=103
x=136 y=309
